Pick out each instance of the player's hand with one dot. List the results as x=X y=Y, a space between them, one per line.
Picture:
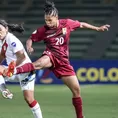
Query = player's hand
x=103 y=28
x=30 y=50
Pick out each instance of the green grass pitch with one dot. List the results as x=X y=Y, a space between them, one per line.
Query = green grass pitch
x=99 y=101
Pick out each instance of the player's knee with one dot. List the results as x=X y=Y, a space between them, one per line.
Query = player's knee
x=38 y=64
x=28 y=99
x=76 y=91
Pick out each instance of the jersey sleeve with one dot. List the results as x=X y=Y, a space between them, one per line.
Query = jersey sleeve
x=38 y=35
x=0 y=45
x=15 y=44
x=73 y=24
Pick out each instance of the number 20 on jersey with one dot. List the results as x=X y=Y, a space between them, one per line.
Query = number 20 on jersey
x=59 y=41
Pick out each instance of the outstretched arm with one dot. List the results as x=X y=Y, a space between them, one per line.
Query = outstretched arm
x=89 y=26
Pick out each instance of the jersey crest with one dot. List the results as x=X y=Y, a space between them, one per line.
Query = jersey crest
x=64 y=31
x=13 y=44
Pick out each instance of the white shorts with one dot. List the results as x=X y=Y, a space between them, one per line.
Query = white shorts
x=29 y=85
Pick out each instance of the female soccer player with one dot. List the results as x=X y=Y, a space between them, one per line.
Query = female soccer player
x=4 y=90
x=56 y=34
x=13 y=50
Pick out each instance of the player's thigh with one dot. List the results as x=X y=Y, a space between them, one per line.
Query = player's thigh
x=71 y=82
x=43 y=62
x=27 y=81
x=27 y=85
x=2 y=68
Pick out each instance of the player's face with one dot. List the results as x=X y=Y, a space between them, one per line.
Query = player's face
x=51 y=21
x=3 y=32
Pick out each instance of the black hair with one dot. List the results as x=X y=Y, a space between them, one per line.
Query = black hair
x=13 y=27
x=50 y=9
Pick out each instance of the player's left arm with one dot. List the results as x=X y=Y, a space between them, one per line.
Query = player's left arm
x=20 y=57
x=89 y=26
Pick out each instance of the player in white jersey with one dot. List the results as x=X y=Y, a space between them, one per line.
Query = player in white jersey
x=4 y=90
x=13 y=50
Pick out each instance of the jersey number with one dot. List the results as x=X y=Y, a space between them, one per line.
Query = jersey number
x=59 y=41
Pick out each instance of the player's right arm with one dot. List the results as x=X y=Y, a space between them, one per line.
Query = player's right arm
x=36 y=36
x=29 y=47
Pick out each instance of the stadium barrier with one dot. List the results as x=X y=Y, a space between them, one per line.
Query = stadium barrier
x=87 y=71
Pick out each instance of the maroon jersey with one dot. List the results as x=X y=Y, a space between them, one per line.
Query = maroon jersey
x=56 y=40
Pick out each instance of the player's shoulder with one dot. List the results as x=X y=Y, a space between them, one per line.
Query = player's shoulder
x=65 y=21
x=42 y=28
x=39 y=30
x=12 y=39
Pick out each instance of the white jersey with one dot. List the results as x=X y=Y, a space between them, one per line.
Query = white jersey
x=10 y=46
x=0 y=45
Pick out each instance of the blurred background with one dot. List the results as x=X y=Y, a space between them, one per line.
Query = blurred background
x=84 y=44
x=93 y=55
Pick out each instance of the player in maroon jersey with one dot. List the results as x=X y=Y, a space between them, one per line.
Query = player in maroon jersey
x=56 y=34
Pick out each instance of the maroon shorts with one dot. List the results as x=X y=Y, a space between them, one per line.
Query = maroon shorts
x=60 y=68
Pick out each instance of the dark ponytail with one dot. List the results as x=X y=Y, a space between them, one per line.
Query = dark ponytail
x=16 y=27
x=50 y=9
x=13 y=27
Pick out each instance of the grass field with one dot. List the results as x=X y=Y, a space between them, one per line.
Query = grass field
x=99 y=101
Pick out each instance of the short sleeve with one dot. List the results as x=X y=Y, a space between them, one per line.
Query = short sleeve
x=73 y=24
x=38 y=35
x=0 y=45
x=16 y=45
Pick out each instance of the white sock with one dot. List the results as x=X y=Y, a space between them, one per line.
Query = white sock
x=15 y=71
x=2 y=81
x=37 y=111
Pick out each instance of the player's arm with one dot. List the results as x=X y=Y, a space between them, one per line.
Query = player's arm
x=74 y=24
x=89 y=26
x=29 y=46
x=36 y=36
x=20 y=57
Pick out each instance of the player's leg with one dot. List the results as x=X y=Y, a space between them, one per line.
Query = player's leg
x=28 y=92
x=73 y=85
x=43 y=62
x=32 y=103
x=5 y=92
